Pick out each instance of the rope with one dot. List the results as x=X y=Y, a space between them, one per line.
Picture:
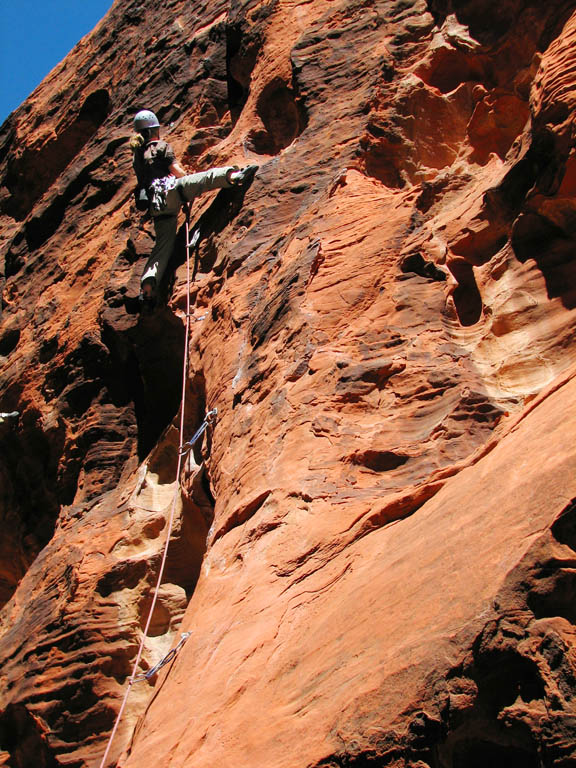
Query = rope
x=134 y=677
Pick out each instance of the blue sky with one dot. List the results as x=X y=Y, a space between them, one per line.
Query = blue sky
x=34 y=36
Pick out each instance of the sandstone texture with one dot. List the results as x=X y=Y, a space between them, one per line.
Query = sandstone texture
x=375 y=543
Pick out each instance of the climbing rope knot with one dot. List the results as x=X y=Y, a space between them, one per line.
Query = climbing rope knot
x=162 y=663
x=209 y=419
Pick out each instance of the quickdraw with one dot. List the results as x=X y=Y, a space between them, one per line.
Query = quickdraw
x=162 y=663
x=209 y=419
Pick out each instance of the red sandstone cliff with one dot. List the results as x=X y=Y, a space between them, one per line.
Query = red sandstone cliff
x=375 y=548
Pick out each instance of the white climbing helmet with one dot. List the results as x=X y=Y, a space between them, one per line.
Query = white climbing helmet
x=145 y=119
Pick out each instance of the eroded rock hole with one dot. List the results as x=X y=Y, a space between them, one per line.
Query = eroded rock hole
x=451 y=67
x=15 y=257
x=509 y=195
x=379 y=461
x=564 y=528
x=417 y=264
x=505 y=676
x=487 y=22
x=555 y=594
x=466 y=296
x=554 y=588
x=282 y=116
x=9 y=341
x=41 y=227
x=477 y=753
x=486 y=731
x=124 y=575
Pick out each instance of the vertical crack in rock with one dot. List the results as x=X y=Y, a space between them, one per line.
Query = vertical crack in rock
x=219 y=95
x=159 y=351
x=241 y=53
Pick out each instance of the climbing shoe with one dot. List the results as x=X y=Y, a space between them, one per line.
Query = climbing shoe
x=8 y=416
x=244 y=176
x=147 y=296
x=147 y=302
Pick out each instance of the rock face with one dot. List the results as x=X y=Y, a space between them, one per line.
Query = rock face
x=375 y=545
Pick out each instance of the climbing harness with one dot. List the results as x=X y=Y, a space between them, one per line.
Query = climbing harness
x=158 y=191
x=208 y=420
x=162 y=663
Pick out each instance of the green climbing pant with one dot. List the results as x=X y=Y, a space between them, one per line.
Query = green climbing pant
x=165 y=221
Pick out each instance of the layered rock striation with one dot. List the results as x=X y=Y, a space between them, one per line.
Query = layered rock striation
x=375 y=544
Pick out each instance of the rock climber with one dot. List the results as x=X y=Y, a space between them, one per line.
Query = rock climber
x=163 y=187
